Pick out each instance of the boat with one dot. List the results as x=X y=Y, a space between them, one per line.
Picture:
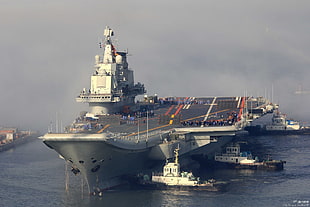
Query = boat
x=12 y=137
x=172 y=177
x=280 y=125
x=244 y=160
x=120 y=136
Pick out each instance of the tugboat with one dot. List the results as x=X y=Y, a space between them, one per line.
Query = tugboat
x=280 y=126
x=172 y=177
x=244 y=160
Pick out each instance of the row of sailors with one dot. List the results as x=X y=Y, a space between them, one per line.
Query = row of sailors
x=209 y=123
x=139 y=114
x=85 y=127
x=184 y=102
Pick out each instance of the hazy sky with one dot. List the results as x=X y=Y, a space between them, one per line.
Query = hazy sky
x=177 y=48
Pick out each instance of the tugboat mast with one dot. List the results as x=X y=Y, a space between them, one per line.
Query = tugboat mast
x=176 y=152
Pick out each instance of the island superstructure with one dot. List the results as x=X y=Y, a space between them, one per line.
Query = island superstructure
x=112 y=84
x=120 y=137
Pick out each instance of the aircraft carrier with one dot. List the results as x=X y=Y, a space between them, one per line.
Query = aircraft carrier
x=120 y=136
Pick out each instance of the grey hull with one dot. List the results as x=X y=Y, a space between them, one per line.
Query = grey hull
x=101 y=164
x=104 y=165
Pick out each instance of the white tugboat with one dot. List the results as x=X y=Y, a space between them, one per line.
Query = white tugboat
x=280 y=125
x=234 y=156
x=244 y=160
x=172 y=177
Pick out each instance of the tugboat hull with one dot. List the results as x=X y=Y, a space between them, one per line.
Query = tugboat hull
x=202 y=187
x=258 y=130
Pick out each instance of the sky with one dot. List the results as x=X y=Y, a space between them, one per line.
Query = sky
x=177 y=48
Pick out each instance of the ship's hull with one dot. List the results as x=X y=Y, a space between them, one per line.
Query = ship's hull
x=105 y=165
x=258 y=130
x=101 y=164
x=264 y=165
x=199 y=187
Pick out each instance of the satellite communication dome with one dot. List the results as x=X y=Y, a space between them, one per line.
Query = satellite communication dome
x=119 y=59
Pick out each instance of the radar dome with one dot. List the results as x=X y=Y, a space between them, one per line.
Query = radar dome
x=119 y=59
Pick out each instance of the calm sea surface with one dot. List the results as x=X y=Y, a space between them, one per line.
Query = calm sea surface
x=33 y=175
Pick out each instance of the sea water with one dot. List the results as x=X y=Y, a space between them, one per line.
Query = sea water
x=34 y=175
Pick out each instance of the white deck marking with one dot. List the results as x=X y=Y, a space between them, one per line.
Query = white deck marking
x=210 y=108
